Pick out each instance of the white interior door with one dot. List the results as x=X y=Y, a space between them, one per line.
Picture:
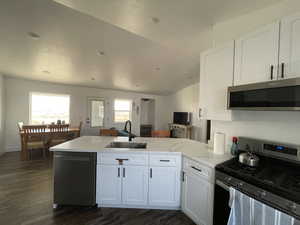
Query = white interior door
x=135 y=185
x=164 y=186
x=95 y=119
x=109 y=184
x=289 y=61
x=255 y=53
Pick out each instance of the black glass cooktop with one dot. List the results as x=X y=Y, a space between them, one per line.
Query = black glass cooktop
x=273 y=175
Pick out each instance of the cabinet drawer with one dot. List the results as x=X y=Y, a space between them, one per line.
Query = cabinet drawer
x=197 y=168
x=128 y=159
x=165 y=160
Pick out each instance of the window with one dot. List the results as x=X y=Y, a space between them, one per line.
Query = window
x=96 y=112
x=122 y=110
x=47 y=108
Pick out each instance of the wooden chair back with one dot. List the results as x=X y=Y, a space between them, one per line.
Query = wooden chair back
x=161 y=133
x=33 y=133
x=28 y=129
x=79 y=127
x=59 y=128
x=20 y=126
x=108 y=132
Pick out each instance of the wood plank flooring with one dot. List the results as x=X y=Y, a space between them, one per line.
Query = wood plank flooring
x=26 y=199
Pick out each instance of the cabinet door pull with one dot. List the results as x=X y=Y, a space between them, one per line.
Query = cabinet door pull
x=272 y=70
x=183 y=174
x=196 y=169
x=282 y=70
x=150 y=172
x=124 y=175
x=118 y=171
x=164 y=160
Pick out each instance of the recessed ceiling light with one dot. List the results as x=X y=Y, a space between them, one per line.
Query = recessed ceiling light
x=33 y=35
x=100 y=53
x=155 y=20
x=46 y=71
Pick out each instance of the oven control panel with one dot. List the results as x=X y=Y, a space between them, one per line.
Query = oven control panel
x=268 y=148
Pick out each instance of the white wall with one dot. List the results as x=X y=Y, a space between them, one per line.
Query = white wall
x=2 y=113
x=278 y=126
x=187 y=100
x=17 y=106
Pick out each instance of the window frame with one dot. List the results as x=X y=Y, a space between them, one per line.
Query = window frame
x=90 y=99
x=130 y=111
x=49 y=94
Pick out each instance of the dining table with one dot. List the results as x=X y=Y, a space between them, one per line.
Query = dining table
x=73 y=132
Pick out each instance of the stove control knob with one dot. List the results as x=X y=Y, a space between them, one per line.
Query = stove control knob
x=229 y=179
x=262 y=194
x=292 y=207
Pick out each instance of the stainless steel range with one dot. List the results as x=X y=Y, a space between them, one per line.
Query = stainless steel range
x=275 y=181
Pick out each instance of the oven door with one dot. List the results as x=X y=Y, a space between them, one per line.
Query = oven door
x=221 y=203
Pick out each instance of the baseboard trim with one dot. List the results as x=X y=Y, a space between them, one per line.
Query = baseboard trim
x=138 y=207
x=12 y=149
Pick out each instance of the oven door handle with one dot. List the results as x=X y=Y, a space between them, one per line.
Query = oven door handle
x=222 y=185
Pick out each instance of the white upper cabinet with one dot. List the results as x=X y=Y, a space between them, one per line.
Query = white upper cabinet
x=256 y=56
x=289 y=60
x=216 y=75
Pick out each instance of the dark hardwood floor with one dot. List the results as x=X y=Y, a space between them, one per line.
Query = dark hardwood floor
x=26 y=199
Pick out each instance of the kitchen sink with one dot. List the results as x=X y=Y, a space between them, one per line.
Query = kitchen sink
x=126 y=145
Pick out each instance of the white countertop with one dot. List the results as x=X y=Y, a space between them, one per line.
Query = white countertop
x=189 y=148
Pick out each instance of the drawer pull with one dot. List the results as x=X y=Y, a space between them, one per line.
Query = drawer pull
x=196 y=169
x=164 y=160
x=121 y=161
x=150 y=172
x=118 y=171
x=124 y=175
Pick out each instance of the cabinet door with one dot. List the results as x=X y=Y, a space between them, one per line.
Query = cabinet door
x=289 y=60
x=255 y=53
x=215 y=77
x=109 y=184
x=197 y=199
x=164 y=186
x=135 y=185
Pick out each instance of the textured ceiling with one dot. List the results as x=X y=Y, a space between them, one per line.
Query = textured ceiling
x=140 y=53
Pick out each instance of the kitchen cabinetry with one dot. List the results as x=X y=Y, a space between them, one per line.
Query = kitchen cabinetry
x=197 y=192
x=164 y=181
x=216 y=75
x=138 y=180
x=109 y=184
x=135 y=185
x=289 y=60
x=256 y=56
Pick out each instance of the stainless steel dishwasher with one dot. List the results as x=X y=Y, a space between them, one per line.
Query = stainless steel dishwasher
x=74 y=178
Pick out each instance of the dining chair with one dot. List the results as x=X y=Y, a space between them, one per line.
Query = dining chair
x=20 y=126
x=161 y=133
x=108 y=132
x=33 y=138
x=59 y=133
x=79 y=127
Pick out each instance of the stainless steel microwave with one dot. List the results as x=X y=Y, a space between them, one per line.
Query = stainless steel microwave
x=281 y=95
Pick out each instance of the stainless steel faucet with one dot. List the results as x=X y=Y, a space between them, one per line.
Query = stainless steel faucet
x=130 y=136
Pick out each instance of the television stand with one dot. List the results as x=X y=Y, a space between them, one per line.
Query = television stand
x=180 y=130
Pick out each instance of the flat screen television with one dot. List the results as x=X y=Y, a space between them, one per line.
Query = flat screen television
x=181 y=118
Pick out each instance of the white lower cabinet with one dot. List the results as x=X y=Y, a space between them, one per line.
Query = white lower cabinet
x=135 y=185
x=164 y=186
x=197 y=196
x=109 y=184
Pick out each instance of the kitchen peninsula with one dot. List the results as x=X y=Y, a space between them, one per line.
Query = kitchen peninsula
x=155 y=173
